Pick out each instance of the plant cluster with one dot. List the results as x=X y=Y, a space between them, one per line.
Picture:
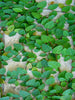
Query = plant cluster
x=19 y=16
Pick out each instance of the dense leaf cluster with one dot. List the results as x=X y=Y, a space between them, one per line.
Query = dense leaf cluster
x=24 y=17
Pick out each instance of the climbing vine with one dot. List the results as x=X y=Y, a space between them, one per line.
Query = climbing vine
x=40 y=33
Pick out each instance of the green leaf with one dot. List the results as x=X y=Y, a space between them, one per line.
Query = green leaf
x=36 y=74
x=73 y=64
x=68 y=2
x=46 y=74
x=73 y=8
x=29 y=27
x=24 y=93
x=54 y=64
x=21 y=19
x=25 y=78
x=42 y=54
x=50 y=81
x=7 y=49
x=3 y=23
x=5 y=58
x=56 y=97
x=68 y=75
x=31 y=60
x=73 y=86
x=66 y=9
x=22 y=39
x=39 y=97
x=12 y=33
x=44 y=21
x=1 y=45
x=1 y=36
x=57 y=49
x=58 y=89
x=11 y=81
x=17 y=58
x=4 y=63
x=65 y=33
x=22 y=32
x=44 y=63
x=45 y=39
x=63 y=84
x=39 y=64
x=46 y=48
x=36 y=15
x=53 y=6
x=41 y=87
x=21 y=71
x=11 y=28
x=4 y=98
x=30 y=82
x=17 y=9
x=66 y=97
x=16 y=83
x=68 y=92
x=42 y=4
x=49 y=25
x=36 y=92
x=29 y=19
x=2 y=71
x=18 y=47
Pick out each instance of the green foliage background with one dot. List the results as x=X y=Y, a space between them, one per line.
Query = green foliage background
x=11 y=23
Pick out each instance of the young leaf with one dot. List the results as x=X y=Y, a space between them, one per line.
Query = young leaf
x=1 y=36
x=18 y=47
x=30 y=27
x=17 y=10
x=68 y=75
x=68 y=2
x=17 y=58
x=53 y=6
x=46 y=74
x=30 y=82
x=21 y=32
x=46 y=48
x=45 y=39
x=12 y=81
x=10 y=28
x=24 y=93
x=4 y=98
x=49 y=25
x=36 y=92
x=66 y=9
x=73 y=8
x=73 y=64
x=36 y=74
x=21 y=71
x=5 y=57
x=65 y=33
x=50 y=81
x=73 y=86
x=7 y=49
x=12 y=33
x=2 y=71
x=41 y=87
x=54 y=64
x=42 y=4
x=57 y=49
x=29 y=19
x=36 y=15
x=1 y=45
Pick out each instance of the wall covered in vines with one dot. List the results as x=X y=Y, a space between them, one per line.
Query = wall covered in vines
x=37 y=50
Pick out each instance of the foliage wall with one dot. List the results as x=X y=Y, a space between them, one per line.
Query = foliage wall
x=43 y=35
